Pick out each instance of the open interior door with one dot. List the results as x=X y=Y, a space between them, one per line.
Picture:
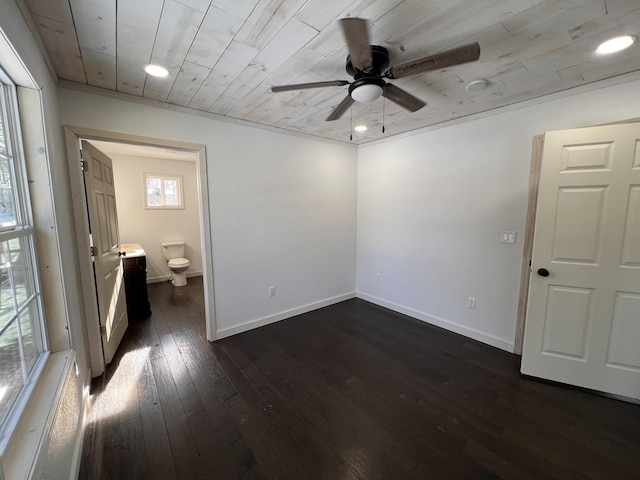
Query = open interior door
x=107 y=265
x=583 y=315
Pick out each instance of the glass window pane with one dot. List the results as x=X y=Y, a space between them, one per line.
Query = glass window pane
x=20 y=268
x=3 y=141
x=154 y=192
x=7 y=304
x=7 y=205
x=171 y=192
x=28 y=329
x=11 y=376
x=163 y=191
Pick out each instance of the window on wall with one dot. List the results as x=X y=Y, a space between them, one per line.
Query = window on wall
x=163 y=191
x=22 y=331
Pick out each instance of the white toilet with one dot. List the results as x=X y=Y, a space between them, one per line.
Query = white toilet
x=173 y=253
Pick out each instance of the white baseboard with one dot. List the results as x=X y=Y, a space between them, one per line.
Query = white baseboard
x=165 y=278
x=260 y=322
x=86 y=408
x=440 y=322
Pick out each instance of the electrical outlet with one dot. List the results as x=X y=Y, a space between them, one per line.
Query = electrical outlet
x=272 y=291
x=378 y=277
x=471 y=302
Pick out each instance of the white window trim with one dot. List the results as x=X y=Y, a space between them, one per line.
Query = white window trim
x=163 y=176
x=26 y=230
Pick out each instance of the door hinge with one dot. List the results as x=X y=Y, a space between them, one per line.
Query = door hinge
x=83 y=164
x=93 y=251
x=103 y=329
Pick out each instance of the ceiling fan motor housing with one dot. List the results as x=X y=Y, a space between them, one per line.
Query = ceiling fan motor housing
x=379 y=63
x=368 y=84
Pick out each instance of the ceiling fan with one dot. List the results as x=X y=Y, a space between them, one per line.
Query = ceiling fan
x=367 y=64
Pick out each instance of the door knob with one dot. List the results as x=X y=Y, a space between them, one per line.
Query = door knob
x=543 y=272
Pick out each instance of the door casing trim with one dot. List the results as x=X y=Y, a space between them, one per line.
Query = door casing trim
x=73 y=135
x=527 y=249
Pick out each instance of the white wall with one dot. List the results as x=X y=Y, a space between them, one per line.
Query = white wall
x=431 y=208
x=283 y=208
x=150 y=228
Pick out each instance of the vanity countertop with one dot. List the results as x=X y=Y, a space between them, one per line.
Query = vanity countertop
x=132 y=249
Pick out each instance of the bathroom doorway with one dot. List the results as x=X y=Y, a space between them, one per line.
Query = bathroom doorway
x=134 y=157
x=145 y=216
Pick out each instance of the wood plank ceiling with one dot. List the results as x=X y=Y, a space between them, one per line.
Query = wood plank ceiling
x=224 y=55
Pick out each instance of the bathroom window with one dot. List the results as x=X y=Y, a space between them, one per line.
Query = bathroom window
x=163 y=191
x=22 y=332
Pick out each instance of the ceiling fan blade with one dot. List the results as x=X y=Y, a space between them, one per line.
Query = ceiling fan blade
x=357 y=37
x=341 y=108
x=456 y=56
x=303 y=86
x=402 y=98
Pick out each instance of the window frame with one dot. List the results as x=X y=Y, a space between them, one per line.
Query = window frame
x=162 y=177
x=25 y=231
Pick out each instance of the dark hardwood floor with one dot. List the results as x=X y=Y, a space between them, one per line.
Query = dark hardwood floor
x=351 y=391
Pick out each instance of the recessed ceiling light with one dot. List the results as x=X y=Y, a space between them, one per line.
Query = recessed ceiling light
x=360 y=128
x=615 y=44
x=156 y=70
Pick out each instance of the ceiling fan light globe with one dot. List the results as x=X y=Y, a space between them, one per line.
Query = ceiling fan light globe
x=366 y=93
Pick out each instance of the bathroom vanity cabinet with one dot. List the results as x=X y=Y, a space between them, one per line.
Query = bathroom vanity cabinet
x=134 y=266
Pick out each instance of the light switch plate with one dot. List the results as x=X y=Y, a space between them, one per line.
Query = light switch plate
x=508 y=237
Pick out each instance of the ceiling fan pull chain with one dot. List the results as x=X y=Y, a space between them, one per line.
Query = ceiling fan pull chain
x=351 y=126
x=382 y=114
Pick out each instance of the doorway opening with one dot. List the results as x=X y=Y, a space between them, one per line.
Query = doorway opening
x=195 y=231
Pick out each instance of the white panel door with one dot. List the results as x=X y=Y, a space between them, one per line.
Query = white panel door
x=583 y=316
x=107 y=265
